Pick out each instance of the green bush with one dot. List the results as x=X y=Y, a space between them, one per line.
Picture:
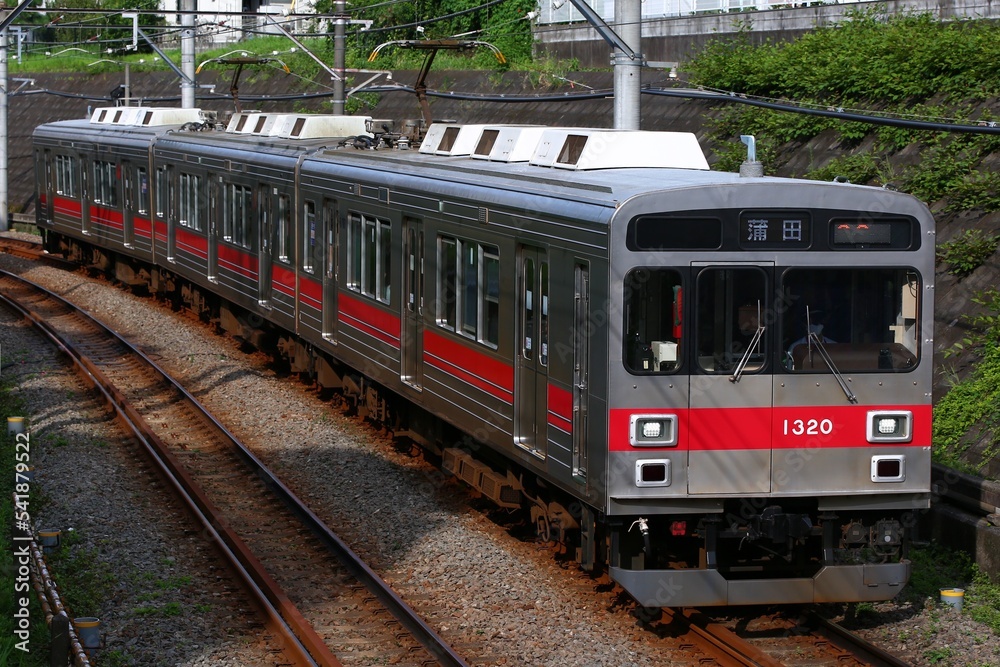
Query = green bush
x=968 y=251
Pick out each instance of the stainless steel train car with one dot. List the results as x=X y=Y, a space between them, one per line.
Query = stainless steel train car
x=715 y=387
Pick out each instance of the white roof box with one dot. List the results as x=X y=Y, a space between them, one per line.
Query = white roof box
x=297 y=126
x=146 y=116
x=508 y=143
x=450 y=139
x=610 y=149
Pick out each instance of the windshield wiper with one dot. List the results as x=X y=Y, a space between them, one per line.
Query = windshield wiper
x=754 y=344
x=813 y=337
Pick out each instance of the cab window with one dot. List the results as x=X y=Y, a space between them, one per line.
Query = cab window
x=863 y=319
x=731 y=310
x=653 y=303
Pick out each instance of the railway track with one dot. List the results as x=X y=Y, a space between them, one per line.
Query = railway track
x=32 y=250
x=324 y=604
x=773 y=640
x=750 y=638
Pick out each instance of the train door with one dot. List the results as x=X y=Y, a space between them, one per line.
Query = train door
x=171 y=213
x=85 y=195
x=531 y=377
x=413 y=303
x=213 y=227
x=48 y=187
x=128 y=203
x=581 y=367
x=265 y=239
x=331 y=231
x=731 y=384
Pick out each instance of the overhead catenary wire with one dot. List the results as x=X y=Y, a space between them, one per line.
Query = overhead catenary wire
x=595 y=94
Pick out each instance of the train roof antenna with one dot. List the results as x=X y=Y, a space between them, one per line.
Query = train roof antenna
x=432 y=46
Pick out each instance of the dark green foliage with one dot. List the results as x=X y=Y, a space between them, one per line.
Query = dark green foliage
x=504 y=25
x=969 y=405
x=895 y=58
x=968 y=251
x=864 y=168
x=909 y=66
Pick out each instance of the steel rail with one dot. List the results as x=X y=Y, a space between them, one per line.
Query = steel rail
x=876 y=656
x=400 y=610
x=199 y=506
x=730 y=649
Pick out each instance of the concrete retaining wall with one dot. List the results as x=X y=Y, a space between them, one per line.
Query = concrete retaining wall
x=677 y=38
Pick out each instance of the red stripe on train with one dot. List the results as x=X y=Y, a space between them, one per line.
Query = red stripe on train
x=142 y=227
x=191 y=243
x=234 y=259
x=560 y=404
x=310 y=292
x=469 y=365
x=368 y=317
x=66 y=206
x=283 y=279
x=107 y=217
x=803 y=427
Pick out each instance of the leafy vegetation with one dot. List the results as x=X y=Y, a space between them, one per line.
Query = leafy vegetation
x=968 y=251
x=916 y=67
x=970 y=406
x=102 y=41
x=936 y=567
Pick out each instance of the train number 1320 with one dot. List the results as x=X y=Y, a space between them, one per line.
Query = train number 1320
x=808 y=427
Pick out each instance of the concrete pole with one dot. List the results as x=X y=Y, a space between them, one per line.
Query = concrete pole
x=628 y=71
x=4 y=212
x=339 y=56
x=187 y=54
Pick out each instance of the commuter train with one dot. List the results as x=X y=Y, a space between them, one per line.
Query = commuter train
x=715 y=387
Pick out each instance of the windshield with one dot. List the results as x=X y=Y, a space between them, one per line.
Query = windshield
x=866 y=319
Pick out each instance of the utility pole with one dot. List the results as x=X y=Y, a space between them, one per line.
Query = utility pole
x=339 y=57
x=187 y=54
x=625 y=57
x=628 y=67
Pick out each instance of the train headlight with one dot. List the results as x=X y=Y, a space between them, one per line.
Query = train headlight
x=890 y=426
x=653 y=431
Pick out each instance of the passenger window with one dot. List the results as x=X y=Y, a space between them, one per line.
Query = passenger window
x=731 y=307
x=447 y=288
x=369 y=256
x=653 y=302
x=66 y=175
x=286 y=237
x=309 y=237
x=142 y=191
x=354 y=239
x=863 y=319
x=469 y=289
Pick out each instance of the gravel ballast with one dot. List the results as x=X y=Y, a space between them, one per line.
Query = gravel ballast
x=476 y=584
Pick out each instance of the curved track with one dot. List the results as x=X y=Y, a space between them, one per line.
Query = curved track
x=316 y=594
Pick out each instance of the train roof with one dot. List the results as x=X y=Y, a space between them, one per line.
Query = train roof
x=586 y=165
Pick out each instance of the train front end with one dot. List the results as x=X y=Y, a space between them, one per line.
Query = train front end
x=769 y=425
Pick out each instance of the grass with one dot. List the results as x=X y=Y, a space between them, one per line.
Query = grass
x=936 y=567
